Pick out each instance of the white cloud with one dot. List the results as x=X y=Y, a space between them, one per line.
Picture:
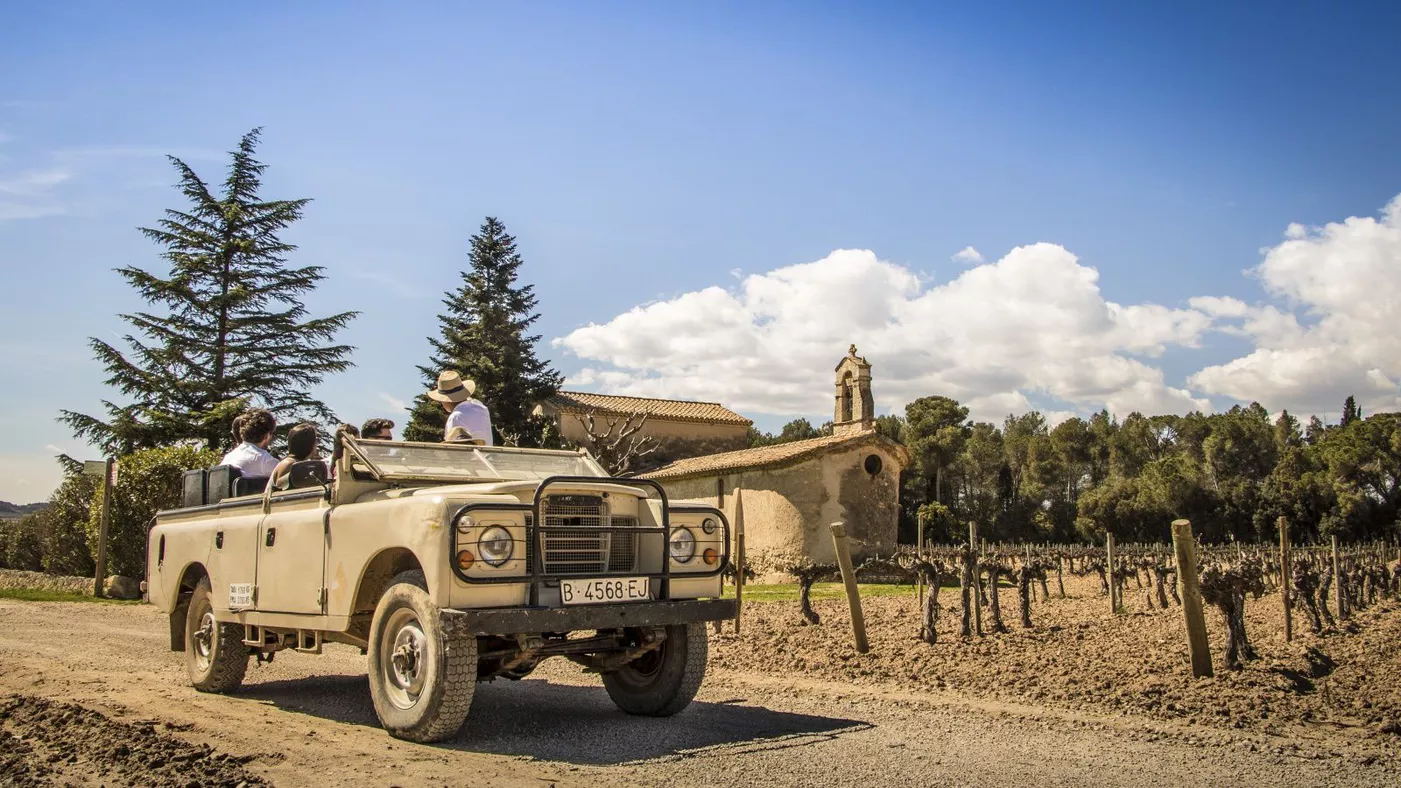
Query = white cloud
x=393 y=401
x=968 y=256
x=1031 y=324
x=33 y=181
x=1338 y=333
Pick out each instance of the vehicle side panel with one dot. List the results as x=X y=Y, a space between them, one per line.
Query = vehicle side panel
x=291 y=546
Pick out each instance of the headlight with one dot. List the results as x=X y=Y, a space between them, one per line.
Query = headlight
x=495 y=546
x=683 y=545
x=465 y=523
x=708 y=525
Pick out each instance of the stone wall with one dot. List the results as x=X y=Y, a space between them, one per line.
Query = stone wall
x=788 y=511
x=679 y=439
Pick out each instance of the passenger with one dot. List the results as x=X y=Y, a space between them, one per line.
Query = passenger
x=461 y=435
x=301 y=445
x=377 y=430
x=254 y=429
x=455 y=395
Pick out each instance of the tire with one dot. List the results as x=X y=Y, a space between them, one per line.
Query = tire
x=662 y=682
x=422 y=672
x=214 y=652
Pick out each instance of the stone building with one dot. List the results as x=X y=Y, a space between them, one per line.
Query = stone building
x=682 y=429
x=794 y=491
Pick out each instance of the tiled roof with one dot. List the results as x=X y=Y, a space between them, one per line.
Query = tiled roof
x=664 y=409
x=771 y=456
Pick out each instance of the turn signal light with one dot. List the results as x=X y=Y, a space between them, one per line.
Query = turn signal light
x=465 y=559
x=710 y=556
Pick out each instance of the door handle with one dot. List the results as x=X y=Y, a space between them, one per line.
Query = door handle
x=272 y=537
x=218 y=540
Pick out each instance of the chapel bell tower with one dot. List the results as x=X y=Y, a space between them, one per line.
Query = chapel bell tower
x=855 y=411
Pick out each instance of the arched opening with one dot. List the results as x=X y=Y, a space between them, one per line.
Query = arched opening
x=844 y=402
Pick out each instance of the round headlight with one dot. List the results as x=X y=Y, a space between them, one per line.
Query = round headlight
x=465 y=523
x=683 y=545
x=495 y=546
x=708 y=525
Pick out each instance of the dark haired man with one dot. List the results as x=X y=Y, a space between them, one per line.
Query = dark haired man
x=251 y=457
x=377 y=430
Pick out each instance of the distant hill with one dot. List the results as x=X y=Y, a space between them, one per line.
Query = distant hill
x=14 y=511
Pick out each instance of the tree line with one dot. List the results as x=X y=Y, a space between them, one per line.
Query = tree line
x=1232 y=474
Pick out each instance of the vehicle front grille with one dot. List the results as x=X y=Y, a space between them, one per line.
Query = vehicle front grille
x=576 y=541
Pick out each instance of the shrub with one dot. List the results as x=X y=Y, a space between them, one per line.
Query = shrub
x=147 y=481
x=24 y=545
x=64 y=531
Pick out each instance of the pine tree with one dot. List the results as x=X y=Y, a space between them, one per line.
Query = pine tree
x=230 y=329
x=1351 y=412
x=484 y=339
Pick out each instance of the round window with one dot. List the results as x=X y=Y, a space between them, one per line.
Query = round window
x=873 y=464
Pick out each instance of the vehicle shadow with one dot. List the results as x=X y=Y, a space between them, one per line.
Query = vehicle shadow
x=569 y=723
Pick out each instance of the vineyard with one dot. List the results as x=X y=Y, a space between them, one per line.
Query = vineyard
x=1102 y=628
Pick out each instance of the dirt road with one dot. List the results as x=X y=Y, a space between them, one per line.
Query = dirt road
x=307 y=720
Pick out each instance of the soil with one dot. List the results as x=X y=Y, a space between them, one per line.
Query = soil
x=45 y=742
x=1084 y=697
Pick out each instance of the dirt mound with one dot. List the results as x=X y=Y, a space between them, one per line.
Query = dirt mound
x=1079 y=656
x=44 y=742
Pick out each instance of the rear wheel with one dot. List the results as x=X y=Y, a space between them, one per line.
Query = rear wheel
x=422 y=673
x=214 y=653
x=662 y=682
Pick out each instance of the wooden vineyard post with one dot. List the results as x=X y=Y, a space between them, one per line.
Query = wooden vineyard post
x=103 y=525
x=1184 y=548
x=1109 y=562
x=1338 y=599
x=853 y=595
x=977 y=578
x=919 y=553
x=739 y=556
x=1286 y=578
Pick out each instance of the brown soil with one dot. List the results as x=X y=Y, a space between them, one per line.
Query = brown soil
x=45 y=742
x=1080 y=656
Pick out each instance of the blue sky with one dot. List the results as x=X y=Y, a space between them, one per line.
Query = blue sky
x=698 y=157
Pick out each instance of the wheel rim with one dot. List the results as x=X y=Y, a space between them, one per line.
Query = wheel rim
x=203 y=641
x=402 y=658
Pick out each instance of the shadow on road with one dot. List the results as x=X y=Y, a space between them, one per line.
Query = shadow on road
x=574 y=724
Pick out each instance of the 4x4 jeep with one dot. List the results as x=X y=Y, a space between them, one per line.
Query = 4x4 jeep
x=447 y=564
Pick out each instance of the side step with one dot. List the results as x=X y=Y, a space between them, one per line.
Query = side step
x=306 y=641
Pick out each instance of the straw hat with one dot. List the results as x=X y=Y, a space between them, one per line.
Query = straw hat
x=452 y=388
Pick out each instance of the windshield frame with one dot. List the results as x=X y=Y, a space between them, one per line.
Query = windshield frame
x=355 y=449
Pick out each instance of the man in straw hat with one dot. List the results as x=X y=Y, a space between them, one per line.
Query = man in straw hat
x=466 y=413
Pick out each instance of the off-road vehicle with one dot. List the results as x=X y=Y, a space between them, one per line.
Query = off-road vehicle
x=447 y=564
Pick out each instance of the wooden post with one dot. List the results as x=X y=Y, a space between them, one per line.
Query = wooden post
x=1338 y=599
x=1185 y=550
x=853 y=595
x=1286 y=579
x=977 y=578
x=919 y=553
x=104 y=523
x=1109 y=563
x=739 y=555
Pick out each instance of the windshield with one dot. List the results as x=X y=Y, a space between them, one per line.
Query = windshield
x=442 y=461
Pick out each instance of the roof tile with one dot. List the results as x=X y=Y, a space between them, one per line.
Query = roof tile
x=768 y=456
x=665 y=409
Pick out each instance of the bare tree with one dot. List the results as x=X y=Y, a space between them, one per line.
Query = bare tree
x=620 y=448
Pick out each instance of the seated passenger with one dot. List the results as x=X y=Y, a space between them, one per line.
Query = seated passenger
x=455 y=395
x=301 y=445
x=377 y=430
x=254 y=429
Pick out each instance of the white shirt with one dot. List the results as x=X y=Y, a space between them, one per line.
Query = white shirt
x=250 y=460
x=472 y=416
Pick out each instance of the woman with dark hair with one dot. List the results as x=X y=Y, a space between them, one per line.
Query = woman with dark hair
x=301 y=445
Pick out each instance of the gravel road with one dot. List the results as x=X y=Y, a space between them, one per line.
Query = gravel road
x=307 y=720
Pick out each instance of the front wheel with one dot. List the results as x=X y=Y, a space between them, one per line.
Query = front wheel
x=214 y=652
x=662 y=682
x=422 y=673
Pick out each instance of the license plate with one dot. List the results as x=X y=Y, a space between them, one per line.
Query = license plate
x=596 y=592
x=240 y=596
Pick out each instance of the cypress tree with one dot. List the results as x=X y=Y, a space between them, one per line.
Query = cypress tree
x=484 y=339
x=229 y=330
x=1351 y=412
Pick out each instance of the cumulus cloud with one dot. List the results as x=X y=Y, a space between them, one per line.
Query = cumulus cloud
x=1032 y=324
x=1337 y=333
x=968 y=256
